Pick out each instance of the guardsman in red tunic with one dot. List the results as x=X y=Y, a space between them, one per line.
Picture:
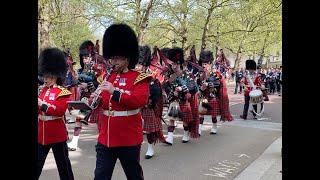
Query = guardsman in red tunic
x=251 y=67
x=52 y=105
x=152 y=124
x=123 y=93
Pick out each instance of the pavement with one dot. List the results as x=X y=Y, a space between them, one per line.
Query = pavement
x=268 y=166
x=241 y=150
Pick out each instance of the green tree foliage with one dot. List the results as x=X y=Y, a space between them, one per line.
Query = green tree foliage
x=63 y=25
x=241 y=27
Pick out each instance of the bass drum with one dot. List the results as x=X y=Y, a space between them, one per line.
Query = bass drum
x=256 y=96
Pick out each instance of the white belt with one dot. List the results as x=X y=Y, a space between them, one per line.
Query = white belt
x=121 y=113
x=48 y=118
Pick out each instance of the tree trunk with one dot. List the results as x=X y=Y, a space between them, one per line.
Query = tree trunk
x=43 y=25
x=184 y=29
x=205 y=29
x=141 y=34
x=144 y=22
x=238 y=59
x=263 y=50
x=184 y=38
x=260 y=60
x=267 y=61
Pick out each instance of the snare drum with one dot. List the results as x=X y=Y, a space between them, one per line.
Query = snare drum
x=256 y=96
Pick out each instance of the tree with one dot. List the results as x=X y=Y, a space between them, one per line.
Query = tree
x=53 y=14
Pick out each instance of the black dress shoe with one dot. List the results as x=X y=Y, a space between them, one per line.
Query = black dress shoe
x=243 y=117
x=84 y=122
x=167 y=143
x=183 y=141
x=148 y=157
x=212 y=133
x=72 y=149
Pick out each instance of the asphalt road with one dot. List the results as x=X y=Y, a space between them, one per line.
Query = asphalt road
x=211 y=157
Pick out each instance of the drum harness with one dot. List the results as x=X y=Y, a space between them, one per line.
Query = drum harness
x=251 y=95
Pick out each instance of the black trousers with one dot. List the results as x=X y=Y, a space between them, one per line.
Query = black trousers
x=129 y=157
x=236 y=88
x=61 y=155
x=246 y=106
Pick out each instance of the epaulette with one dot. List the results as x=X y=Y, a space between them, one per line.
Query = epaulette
x=141 y=77
x=63 y=92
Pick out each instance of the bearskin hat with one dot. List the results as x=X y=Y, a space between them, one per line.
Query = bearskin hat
x=251 y=65
x=52 y=61
x=176 y=55
x=145 y=55
x=121 y=40
x=205 y=57
x=86 y=48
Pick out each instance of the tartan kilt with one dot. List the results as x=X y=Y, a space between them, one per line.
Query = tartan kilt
x=95 y=113
x=186 y=112
x=215 y=107
x=151 y=123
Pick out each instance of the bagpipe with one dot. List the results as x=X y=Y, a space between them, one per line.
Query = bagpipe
x=80 y=107
x=212 y=84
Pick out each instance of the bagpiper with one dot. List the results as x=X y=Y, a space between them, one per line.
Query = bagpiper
x=87 y=83
x=214 y=100
x=151 y=115
x=179 y=90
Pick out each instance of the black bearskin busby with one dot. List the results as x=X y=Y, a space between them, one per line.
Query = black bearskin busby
x=165 y=53
x=176 y=55
x=251 y=65
x=145 y=55
x=52 y=62
x=121 y=40
x=86 y=48
x=205 y=57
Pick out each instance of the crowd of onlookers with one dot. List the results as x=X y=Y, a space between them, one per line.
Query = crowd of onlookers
x=272 y=77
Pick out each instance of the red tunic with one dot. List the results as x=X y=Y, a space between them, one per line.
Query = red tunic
x=257 y=81
x=124 y=130
x=53 y=131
